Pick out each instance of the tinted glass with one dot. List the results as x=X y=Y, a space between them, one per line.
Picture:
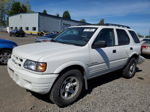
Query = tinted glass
x=123 y=38
x=134 y=36
x=106 y=35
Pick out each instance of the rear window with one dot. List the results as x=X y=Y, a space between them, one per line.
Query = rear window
x=134 y=36
x=123 y=38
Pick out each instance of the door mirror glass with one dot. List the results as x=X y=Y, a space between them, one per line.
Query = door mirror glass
x=99 y=44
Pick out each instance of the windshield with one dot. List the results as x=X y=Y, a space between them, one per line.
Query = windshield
x=76 y=36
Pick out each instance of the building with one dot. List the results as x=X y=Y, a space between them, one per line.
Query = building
x=32 y=23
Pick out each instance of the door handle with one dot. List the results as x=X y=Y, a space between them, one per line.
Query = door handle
x=131 y=48
x=114 y=51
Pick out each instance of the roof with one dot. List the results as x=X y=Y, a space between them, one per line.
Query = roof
x=53 y=16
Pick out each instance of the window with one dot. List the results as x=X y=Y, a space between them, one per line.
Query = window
x=11 y=28
x=134 y=36
x=15 y=28
x=33 y=28
x=76 y=36
x=123 y=38
x=27 y=28
x=106 y=35
x=20 y=28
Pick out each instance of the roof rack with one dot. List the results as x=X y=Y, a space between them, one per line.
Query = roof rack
x=109 y=24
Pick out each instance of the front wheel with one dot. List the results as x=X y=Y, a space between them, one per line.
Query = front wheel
x=4 y=56
x=130 y=69
x=67 y=88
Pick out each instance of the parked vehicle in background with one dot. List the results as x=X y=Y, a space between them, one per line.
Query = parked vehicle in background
x=42 y=33
x=17 y=33
x=146 y=40
x=46 y=38
x=62 y=67
x=145 y=48
x=6 y=47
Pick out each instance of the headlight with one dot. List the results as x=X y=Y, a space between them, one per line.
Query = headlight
x=35 y=66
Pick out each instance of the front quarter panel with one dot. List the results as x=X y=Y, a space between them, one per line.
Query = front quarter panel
x=56 y=63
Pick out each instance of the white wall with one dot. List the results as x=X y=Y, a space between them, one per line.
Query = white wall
x=24 y=20
x=41 y=22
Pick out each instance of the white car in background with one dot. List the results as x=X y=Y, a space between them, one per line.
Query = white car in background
x=145 y=46
x=62 y=67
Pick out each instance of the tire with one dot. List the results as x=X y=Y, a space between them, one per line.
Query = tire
x=67 y=88
x=130 y=69
x=4 y=56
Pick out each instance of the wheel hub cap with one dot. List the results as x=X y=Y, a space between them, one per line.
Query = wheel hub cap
x=69 y=87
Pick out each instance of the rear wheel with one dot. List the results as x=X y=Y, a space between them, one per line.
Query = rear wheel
x=4 y=56
x=130 y=69
x=67 y=88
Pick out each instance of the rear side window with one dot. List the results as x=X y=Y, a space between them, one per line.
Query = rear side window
x=134 y=36
x=106 y=35
x=123 y=38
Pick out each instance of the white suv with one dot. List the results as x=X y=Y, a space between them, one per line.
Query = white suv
x=61 y=68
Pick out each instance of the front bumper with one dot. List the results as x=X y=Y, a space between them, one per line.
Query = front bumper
x=31 y=81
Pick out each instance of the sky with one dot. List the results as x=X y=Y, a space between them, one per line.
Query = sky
x=134 y=13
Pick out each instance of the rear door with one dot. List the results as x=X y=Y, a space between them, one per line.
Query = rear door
x=135 y=45
x=123 y=46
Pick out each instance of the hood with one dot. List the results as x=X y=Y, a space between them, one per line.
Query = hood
x=39 y=50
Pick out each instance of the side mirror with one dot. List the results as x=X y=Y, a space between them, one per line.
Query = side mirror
x=99 y=44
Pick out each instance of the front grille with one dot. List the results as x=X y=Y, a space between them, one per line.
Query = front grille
x=18 y=61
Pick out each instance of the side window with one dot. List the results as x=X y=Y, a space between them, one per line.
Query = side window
x=106 y=35
x=134 y=36
x=123 y=38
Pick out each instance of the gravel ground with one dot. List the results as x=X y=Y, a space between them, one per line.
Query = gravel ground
x=108 y=93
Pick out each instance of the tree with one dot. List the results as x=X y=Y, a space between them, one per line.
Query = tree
x=27 y=4
x=57 y=15
x=24 y=9
x=139 y=35
x=17 y=8
x=7 y=5
x=83 y=20
x=148 y=36
x=3 y=11
x=44 y=11
x=101 y=22
x=66 y=15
